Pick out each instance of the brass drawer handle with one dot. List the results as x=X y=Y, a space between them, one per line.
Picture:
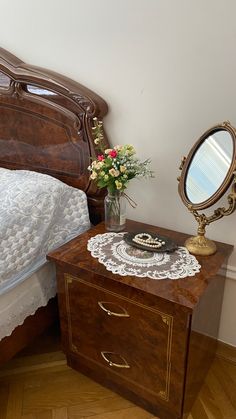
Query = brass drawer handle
x=113 y=364
x=113 y=313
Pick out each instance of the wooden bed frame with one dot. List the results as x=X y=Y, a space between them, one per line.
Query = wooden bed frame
x=46 y=124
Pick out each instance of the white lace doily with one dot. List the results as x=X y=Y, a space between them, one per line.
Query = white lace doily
x=120 y=258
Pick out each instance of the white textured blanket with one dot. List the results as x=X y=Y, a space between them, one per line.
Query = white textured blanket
x=37 y=214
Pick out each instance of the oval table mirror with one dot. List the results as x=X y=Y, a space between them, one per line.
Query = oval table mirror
x=207 y=173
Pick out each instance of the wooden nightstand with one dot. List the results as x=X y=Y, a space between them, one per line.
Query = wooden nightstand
x=152 y=341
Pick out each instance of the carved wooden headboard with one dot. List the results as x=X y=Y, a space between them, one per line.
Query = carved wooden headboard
x=45 y=125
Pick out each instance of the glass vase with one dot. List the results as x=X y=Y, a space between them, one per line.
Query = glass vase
x=115 y=211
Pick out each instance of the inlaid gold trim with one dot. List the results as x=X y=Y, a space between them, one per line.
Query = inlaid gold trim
x=74 y=348
x=166 y=319
x=68 y=280
x=162 y=393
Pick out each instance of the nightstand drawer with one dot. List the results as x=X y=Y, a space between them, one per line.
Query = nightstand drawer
x=137 y=335
x=128 y=338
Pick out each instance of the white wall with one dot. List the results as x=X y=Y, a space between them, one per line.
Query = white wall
x=168 y=72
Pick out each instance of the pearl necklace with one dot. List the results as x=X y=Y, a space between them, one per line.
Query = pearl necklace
x=146 y=239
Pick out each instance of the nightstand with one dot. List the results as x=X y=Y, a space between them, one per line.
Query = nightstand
x=150 y=340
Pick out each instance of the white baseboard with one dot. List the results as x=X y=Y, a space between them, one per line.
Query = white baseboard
x=228 y=271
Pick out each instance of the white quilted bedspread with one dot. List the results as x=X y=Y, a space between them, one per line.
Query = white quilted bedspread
x=37 y=214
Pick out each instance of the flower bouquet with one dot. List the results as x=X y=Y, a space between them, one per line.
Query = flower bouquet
x=113 y=169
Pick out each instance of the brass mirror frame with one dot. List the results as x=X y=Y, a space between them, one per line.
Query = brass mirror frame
x=200 y=245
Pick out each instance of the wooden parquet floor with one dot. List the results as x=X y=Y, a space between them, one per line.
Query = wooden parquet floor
x=39 y=385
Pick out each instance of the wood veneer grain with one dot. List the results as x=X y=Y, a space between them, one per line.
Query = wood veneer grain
x=184 y=293
x=190 y=307
x=46 y=126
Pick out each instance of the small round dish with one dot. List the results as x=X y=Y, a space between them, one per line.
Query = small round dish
x=167 y=244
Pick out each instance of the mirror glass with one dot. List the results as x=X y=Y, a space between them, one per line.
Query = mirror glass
x=209 y=166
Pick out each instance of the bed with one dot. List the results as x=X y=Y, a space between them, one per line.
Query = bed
x=46 y=125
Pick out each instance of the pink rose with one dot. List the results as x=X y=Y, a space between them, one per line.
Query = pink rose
x=101 y=157
x=113 y=153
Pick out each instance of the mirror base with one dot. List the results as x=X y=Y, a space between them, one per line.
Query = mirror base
x=200 y=245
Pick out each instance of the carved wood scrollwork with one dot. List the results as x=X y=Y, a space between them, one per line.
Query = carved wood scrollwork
x=87 y=105
x=51 y=118
x=17 y=90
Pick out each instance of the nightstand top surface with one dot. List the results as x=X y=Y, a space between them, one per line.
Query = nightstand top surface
x=185 y=292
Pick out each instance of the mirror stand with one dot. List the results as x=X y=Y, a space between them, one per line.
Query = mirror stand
x=206 y=175
x=200 y=245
